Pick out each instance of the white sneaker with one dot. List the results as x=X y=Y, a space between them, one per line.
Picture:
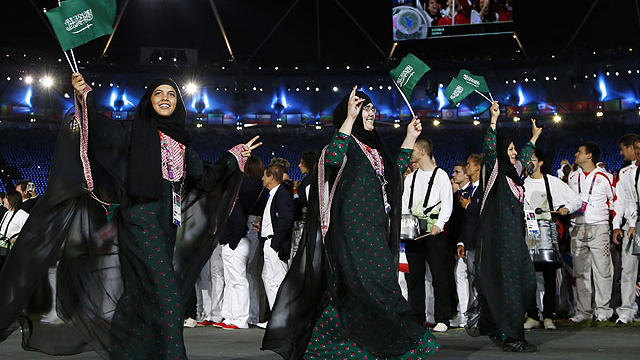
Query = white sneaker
x=440 y=327
x=190 y=323
x=622 y=319
x=580 y=317
x=458 y=321
x=602 y=318
x=531 y=323
x=548 y=324
x=262 y=325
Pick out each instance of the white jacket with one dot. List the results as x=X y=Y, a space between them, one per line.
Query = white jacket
x=626 y=202
x=599 y=201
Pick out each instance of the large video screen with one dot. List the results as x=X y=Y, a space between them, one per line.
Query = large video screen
x=426 y=19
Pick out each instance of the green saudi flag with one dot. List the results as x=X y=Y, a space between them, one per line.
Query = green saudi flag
x=408 y=73
x=478 y=82
x=77 y=22
x=457 y=91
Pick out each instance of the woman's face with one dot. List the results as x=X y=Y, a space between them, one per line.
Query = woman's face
x=164 y=99
x=303 y=168
x=511 y=151
x=368 y=116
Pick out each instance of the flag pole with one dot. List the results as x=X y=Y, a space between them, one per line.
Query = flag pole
x=75 y=63
x=405 y=98
x=491 y=97
x=484 y=96
x=68 y=61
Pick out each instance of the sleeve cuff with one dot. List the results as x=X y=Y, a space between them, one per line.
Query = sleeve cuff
x=236 y=151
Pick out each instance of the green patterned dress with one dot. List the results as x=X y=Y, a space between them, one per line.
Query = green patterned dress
x=364 y=244
x=506 y=274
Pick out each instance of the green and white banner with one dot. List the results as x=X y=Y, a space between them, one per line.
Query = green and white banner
x=457 y=91
x=408 y=73
x=478 y=82
x=77 y=22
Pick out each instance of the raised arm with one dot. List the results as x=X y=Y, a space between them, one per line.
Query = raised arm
x=525 y=154
x=489 y=143
x=414 y=129
x=337 y=149
x=208 y=175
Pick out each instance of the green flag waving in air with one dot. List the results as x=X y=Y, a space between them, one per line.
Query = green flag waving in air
x=77 y=22
x=457 y=91
x=478 y=82
x=407 y=74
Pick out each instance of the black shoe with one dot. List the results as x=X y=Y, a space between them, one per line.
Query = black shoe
x=497 y=340
x=519 y=346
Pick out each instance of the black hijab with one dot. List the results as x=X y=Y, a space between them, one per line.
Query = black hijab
x=144 y=179
x=504 y=163
x=369 y=138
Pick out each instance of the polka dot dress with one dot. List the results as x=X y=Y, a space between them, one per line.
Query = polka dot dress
x=516 y=274
x=148 y=319
x=367 y=263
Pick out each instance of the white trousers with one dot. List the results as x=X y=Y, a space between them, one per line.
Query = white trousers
x=235 y=304
x=429 y=298
x=210 y=287
x=462 y=285
x=592 y=258
x=273 y=272
x=628 y=278
x=52 y=315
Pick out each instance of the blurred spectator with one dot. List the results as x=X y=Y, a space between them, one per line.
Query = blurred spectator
x=462 y=13
x=563 y=162
x=2 y=208
x=29 y=197
x=432 y=11
x=11 y=223
x=483 y=12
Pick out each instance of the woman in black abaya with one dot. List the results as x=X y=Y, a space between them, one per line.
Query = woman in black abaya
x=132 y=221
x=341 y=296
x=505 y=274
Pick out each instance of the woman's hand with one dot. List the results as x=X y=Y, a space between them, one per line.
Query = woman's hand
x=535 y=131
x=414 y=128
x=353 y=109
x=78 y=83
x=250 y=146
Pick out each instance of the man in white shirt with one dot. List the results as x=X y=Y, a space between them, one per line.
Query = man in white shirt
x=565 y=201
x=626 y=207
x=275 y=230
x=590 y=235
x=424 y=203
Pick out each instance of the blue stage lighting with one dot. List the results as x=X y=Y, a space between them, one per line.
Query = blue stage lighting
x=521 y=98
x=27 y=97
x=113 y=98
x=442 y=100
x=603 y=88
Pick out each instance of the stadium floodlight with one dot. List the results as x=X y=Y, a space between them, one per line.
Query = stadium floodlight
x=28 y=79
x=191 y=88
x=47 y=81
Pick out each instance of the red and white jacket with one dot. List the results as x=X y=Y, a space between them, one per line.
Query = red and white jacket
x=599 y=198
